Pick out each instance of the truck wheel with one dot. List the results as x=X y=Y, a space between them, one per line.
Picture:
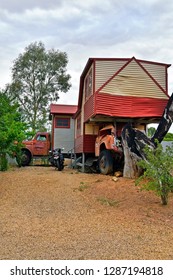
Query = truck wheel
x=25 y=158
x=105 y=162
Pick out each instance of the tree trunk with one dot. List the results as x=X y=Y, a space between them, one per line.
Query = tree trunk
x=164 y=199
x=165 y=122
x=134 y=141
x=131 y=169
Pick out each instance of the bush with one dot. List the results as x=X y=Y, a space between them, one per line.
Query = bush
x=168 y=137
x=3 y=162
x=158 y=167
x=12 y=130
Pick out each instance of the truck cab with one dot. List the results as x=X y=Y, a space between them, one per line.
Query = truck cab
x=39 y=146
x=108 y=149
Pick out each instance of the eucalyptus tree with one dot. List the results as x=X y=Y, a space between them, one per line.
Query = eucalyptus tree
x=38 y=76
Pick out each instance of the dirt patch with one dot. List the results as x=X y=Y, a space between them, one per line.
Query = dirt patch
x=46 y=214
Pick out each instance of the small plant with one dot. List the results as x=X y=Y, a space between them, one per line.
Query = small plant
x=157 y=171
x=108 y=202
x=3 y=162
x=44 y=161
x=83 y=186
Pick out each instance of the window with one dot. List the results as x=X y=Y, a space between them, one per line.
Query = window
x=79 y=125
x=41 y=137
x=62 y=122
x=88 y=85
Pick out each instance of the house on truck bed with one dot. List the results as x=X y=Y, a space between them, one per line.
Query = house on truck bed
x=116 y=91
x=63 y=126
x=112 y=92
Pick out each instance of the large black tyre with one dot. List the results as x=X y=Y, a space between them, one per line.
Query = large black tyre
x=105 y=162
x=25 y=158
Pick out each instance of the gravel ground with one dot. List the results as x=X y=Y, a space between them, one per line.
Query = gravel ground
x=46 y=214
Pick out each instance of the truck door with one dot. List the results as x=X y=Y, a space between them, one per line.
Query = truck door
x=40 y=145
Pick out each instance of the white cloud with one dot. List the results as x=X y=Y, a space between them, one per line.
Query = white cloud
x=86 y=29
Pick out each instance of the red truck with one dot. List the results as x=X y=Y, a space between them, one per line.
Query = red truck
x=108 y=155
x=108 y=149
x=38 y=147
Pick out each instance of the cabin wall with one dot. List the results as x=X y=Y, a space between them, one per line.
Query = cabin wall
x=158 y=72
x=128 y=106
x=89 y=143
x=63 y=136
x=122 y=69
x=88 y=95
x=132 y=80
x=88 y=108
x=105 y=69
x=91 y=132
x=132 y=89
x=86 y=142
x=78 y=146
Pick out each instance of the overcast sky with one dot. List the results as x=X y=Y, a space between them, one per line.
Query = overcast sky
x=87 y=28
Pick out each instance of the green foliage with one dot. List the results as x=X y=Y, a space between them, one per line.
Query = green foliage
x=37 y=78
x=157 y=171
x=151 y=131
x=168 y=137
x=3 y=162
x=12 y=130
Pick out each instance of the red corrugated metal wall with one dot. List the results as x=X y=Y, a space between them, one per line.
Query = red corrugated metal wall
x=78 y=144
x=128 y=106
x=89 y=143
x=89 y=108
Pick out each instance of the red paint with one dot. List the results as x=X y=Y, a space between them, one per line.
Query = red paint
x=129 y=106
x=63 y=109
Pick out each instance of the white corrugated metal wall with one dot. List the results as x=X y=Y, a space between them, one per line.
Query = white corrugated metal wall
x=64 y=137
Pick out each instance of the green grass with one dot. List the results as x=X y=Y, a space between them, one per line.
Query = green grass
x=83 y=186
x=108 y=202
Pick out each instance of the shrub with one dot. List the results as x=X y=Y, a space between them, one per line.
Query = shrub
x=158 y=167
x=12 y=130
x=3 y=162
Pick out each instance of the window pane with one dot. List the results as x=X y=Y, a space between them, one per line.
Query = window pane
x=62 y=122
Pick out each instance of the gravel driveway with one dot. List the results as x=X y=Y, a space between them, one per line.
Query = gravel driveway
x=46 y=214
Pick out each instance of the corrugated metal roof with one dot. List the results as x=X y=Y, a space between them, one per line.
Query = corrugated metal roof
x=63 y=109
